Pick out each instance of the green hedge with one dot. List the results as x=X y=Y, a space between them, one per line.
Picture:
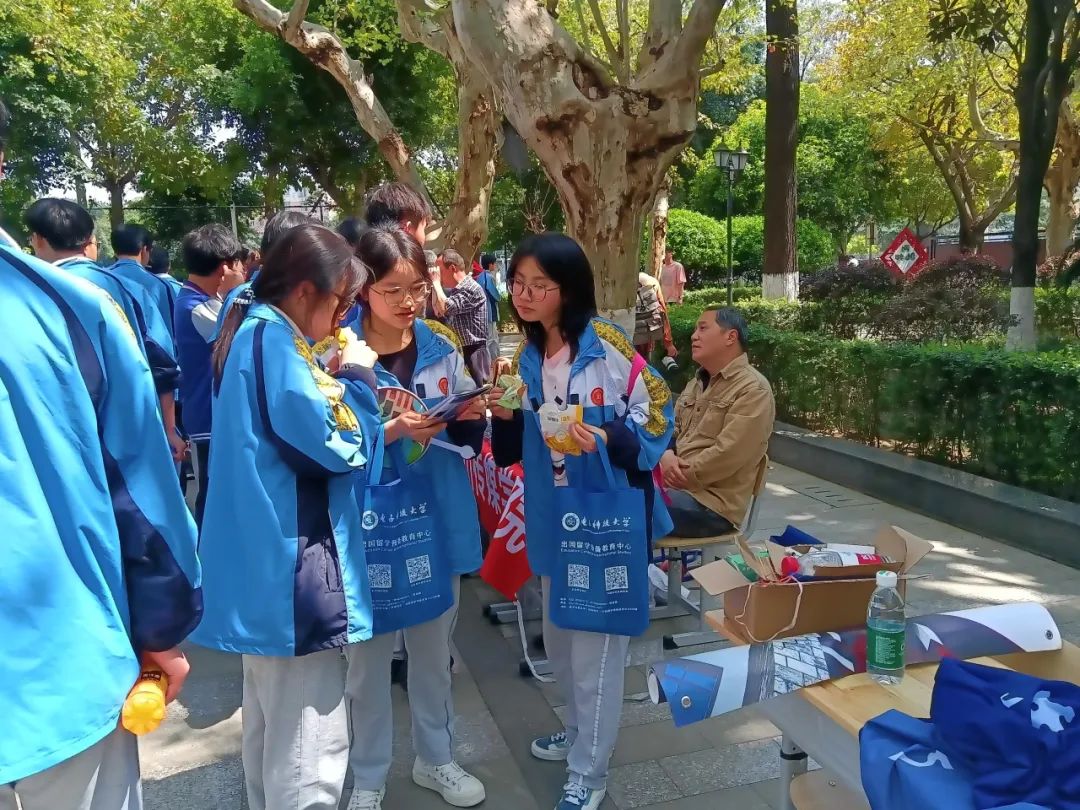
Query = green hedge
x=1013 y=417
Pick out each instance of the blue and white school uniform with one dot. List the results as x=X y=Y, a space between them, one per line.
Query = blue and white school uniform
x=283 y=558
x=588 y=666
x=439 y=479
x=155 y=339
x=99 y=547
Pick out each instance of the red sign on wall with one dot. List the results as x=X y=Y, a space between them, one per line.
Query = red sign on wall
x=906 y=257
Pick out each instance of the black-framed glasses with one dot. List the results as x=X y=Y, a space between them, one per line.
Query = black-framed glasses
x=395 y=296
x=530 y=292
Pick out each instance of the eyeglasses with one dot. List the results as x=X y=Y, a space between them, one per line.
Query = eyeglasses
x=530 y=292
x=395 y=296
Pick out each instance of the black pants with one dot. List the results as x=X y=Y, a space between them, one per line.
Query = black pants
x=200 y=457
x=694 y=520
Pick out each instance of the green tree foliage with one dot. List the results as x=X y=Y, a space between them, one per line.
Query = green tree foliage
x=842 y=173
x=296 y=125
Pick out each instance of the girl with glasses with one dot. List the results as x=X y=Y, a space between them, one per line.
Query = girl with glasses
x=284 y=574
x=570 y=358
x=425 y=358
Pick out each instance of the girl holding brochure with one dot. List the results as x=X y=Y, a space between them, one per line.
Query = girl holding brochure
x=284 y=574
x=591 y=412
x=422 y=530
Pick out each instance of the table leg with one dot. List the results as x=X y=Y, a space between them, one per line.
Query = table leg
x=792 y=764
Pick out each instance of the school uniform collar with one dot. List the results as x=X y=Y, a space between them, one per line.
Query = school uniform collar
x=70 y=260
x=429 y=349
x=590 y=348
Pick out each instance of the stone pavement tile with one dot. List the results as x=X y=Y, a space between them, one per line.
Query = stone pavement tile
x=634 y=713
x=502 y=780
x=744 y=725
x=736 y=798
x=640 y=785
x=656 y=740
x=731 y=766
x=215 y=786
x=769 y=791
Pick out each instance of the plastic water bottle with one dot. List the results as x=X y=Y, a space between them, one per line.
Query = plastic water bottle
x=885 y=628
x=144 y=708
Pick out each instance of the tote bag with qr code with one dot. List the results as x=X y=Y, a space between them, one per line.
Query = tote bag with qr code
x=600 y=582
x=407 y=568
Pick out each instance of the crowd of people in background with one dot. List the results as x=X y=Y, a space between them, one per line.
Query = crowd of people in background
x=269 y=368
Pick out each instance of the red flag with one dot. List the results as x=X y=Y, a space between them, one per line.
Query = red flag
x=500 y=496
x=506 y=566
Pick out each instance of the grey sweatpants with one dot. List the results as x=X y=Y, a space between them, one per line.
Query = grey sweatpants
x=103 y=777
x=371 y=715
x=590 y=670
x=296 y=736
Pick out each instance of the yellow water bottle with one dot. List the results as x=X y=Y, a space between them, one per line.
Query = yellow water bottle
x=144 y=708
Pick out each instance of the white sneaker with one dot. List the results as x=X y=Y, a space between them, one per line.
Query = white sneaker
x=577 y=796
x=457 y=787
x=366 y=800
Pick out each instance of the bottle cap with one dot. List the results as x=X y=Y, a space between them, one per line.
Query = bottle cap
x=886 y=579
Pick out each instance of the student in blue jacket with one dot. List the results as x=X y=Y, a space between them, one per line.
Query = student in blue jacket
x=285 y=580
x=99 y=567
x=425 y=358
x=62 y=232
x=571 y=357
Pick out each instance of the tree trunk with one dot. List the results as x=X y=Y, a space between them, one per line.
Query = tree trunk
x=658 y=232
x=116 y=203
x=780 y=272
x=1061 y=221
x=971 y=235
x=1044 y=81
x=1062 y=180
x=605 y=146
x=80 y=192
x=479 y=140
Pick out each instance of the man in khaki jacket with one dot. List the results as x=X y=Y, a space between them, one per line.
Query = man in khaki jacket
x=723 y=421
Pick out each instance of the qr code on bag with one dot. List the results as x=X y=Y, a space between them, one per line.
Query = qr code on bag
x=379 y=576
x=419 y=569
x=615 y=578
x=577 y=576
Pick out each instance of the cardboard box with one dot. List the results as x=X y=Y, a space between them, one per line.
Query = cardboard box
x=769 y=609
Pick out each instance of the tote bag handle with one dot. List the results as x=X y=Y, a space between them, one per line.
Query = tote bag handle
x=378 y=455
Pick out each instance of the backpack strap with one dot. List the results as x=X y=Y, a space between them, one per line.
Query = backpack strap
x=637 y=365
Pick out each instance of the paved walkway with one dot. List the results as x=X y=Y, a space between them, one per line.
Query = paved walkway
x=193 y=762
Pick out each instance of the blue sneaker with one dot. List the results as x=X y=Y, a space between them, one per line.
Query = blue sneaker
x=579 y=797
x=555 y=748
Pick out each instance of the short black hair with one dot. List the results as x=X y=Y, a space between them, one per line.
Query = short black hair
x=5 y=124
x=129 y=240
x=393 y=203
x=487 y=259
x=731 y=318
x=159 y=260
x=63 y=224
x=352 y=228
x=563 y=261
x=281 y=223
x=205 y=249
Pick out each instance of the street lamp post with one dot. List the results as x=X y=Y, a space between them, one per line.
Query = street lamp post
x=732 y=163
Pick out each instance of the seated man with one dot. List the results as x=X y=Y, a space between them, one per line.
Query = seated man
x=722 y=425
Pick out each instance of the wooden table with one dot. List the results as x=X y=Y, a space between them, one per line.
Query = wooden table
x=824 y=720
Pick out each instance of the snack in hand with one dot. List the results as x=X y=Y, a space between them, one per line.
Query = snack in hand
x=514 y=390
x=555 y=428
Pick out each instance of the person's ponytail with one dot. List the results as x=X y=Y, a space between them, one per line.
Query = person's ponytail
x=233 y=319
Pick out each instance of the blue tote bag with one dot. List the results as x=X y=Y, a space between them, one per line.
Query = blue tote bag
x=600 y=582
x=407 y=568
